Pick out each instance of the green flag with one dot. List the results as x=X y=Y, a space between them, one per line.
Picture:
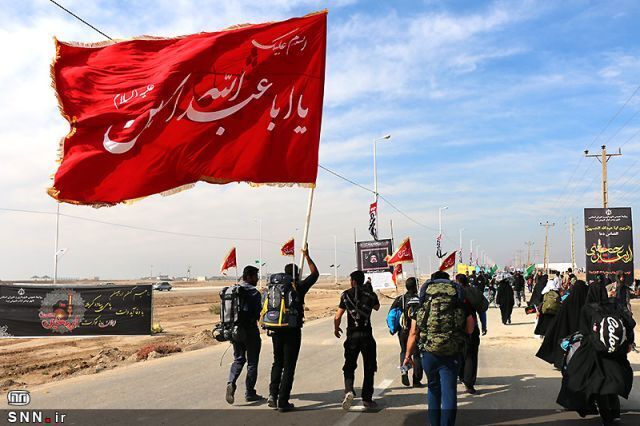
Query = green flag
x=530 y=270
x=493 y=269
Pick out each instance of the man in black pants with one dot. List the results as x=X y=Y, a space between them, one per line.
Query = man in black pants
x=477 y=306
x=409 y=303
x=286 y=342
x=518 y=287
x=247 y=351
x=358 y=302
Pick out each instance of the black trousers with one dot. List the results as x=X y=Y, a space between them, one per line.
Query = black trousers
x=247 y=352
x=403 y=337
x=357 y=343
x=505 y=312
x=609 y=407
x=286 y=348
x=468 y=373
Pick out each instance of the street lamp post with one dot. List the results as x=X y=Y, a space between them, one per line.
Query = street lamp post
x=335 y=259
x=375 y=166
x=440 y=218
x=259 y=249
x=471 y=251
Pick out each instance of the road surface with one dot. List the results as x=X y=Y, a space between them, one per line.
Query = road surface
x=514 y=387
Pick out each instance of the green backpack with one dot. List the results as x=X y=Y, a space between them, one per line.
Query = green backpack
x=551 y=303
x=441 y=320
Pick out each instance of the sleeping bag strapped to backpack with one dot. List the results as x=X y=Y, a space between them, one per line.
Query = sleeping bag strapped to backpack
x=441 y=320
x=608 y=333
x=551 y=303
x=231 y=303
x=280 y=304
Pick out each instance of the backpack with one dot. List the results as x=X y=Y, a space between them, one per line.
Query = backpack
x=393 y=319
x=551 y=303
x=608 y=333
x=441 y=320
x=280 y=303
x=231 y=303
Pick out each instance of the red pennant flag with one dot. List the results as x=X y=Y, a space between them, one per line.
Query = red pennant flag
x=288 y=249
x=402 y=255
x=156 y=115
x=397 y=271
x=373 y=220
x=229 y=261
x=448 y=262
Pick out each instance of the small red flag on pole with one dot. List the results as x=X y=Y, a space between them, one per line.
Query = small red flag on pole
x=288 y=249
x=229 y=261
x=402 y=255
x=448 y=262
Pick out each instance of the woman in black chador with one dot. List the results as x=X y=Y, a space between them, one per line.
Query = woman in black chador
x=504 y=298
x=566 y=323
x=599 y=371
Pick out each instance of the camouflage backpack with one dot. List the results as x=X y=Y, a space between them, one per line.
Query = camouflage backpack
x=441 y=320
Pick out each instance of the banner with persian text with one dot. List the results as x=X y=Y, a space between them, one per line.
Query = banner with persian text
x=608 y=241
x=39 y=311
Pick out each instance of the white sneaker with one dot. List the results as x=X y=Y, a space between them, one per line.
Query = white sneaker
x=347 y=401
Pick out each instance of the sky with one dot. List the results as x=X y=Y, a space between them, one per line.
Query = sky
x=490 y=106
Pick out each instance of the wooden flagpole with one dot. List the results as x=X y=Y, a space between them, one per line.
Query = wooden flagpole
x=305 y=235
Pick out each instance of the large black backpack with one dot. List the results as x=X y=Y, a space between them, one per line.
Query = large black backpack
x=608 y=332
x=280 y=304
x=231 y=305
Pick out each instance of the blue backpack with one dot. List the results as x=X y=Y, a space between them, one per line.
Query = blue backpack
x=393 y=319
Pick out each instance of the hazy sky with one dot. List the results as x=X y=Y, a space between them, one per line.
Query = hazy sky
x=490 y=106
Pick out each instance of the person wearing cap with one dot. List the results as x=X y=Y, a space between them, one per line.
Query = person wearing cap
x=247 y=351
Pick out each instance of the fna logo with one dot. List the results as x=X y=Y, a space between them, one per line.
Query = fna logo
x=22 y=398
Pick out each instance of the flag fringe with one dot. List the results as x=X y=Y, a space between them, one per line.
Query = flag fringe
x=55 y=193
x=98 y=44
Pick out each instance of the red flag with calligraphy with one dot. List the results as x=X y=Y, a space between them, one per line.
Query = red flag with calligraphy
x=229 y=261
x=156 y=115
x=397 y=271
x=448 y=262
x=402 y=255
x=288 y=249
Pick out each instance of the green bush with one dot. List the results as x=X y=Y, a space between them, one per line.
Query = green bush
x=215 y=309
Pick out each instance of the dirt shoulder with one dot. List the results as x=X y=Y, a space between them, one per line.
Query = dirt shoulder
x=184 y=316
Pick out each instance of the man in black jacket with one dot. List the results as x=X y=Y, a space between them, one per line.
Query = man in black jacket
x=247 y=351
x=518 y=287
x=409 y=303
x=286 y=342
x=358 y=302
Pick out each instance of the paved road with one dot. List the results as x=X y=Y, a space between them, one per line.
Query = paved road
x=514 y=387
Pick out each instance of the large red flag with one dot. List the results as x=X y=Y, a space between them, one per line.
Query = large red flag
x=229 y=261
x=402 y=255
x=397 y=270
x=288 y=249
x=448 y=262
x=156 y=115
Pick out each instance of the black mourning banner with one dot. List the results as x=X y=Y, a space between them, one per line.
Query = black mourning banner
x=371 y=255
x=37 y=311
x=608 y=242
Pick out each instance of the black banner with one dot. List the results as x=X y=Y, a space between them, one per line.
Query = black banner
x=36 y=310
x=371 y=255
x=608 y=242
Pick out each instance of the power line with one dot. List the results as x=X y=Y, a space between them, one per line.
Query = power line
x=79 y=18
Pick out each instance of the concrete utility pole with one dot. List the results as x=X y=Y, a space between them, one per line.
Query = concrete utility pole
x=573 y=245
x=529 y=244
x=603 y=158
x=546 y=225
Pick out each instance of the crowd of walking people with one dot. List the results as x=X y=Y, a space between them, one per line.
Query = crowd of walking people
x=587 y=331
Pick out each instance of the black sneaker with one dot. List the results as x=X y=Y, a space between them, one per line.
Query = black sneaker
x=272 y=402
x=370 y=405
x=253 y=398
x=231 y=390
x=405 y=379
x=283 y=407
x=471 y=390
x=418 y=385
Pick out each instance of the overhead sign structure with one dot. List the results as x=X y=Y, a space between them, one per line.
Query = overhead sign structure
x=608 y=241
x=371 y=260
x=55 y=311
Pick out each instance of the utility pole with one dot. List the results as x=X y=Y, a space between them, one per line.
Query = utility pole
x=545 y=263
x=529 y=244
x=573 y=245
x=603 y=158
x=520 y=260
